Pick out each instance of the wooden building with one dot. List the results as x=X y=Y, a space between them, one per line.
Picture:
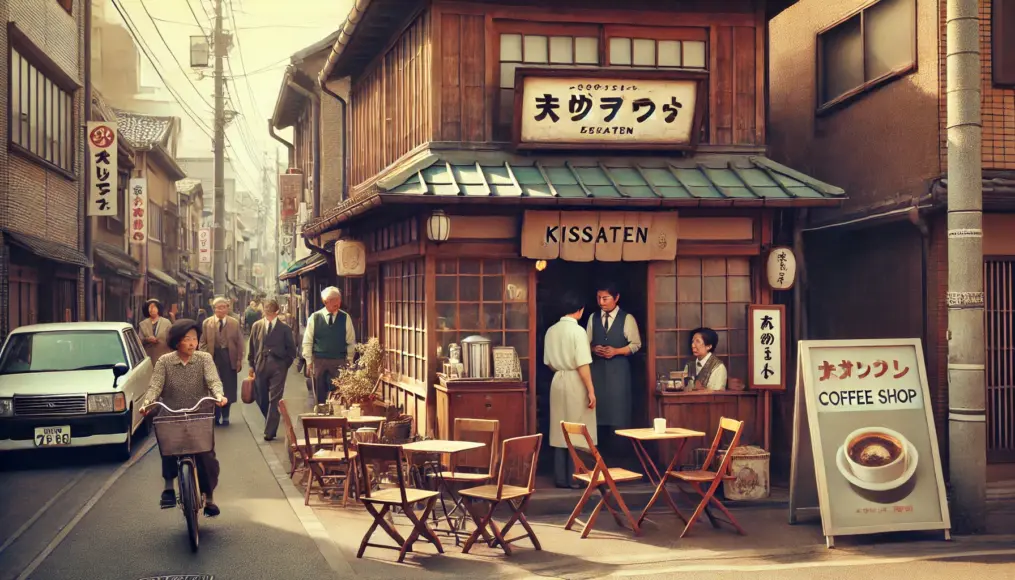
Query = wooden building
x=478 y=130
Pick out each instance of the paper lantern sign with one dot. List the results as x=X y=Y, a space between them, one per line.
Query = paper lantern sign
x=781 y=268
x=350 y=258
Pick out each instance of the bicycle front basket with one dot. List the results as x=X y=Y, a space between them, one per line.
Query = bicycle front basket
x=185 y=434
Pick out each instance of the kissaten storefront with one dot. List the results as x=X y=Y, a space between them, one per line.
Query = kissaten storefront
x=485 y=241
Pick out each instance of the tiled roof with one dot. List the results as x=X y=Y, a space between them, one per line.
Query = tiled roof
x=47 y=249
x=144 y=131
x=116 y=260
x=187 y=186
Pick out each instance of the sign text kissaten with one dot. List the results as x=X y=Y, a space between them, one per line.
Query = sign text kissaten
x=607 y=236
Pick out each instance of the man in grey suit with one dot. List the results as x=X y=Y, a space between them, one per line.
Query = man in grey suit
x=271 y=352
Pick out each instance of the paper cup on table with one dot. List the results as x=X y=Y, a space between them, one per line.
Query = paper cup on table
x=659 y=426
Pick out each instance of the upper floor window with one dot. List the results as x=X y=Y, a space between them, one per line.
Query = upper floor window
x=1002 y=50
x=656 y=48
x=42 y=114
x=870 y=48
x=155 y=222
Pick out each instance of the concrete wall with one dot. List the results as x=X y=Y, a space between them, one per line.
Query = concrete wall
x=882 y=146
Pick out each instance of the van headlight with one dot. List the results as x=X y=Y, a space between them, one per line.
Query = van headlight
x=6 y=407
x=111 y=403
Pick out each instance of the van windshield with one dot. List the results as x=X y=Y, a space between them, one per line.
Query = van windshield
x=47 y=352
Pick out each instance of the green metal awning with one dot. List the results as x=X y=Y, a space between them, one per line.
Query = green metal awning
x=724 y=177
x=162 y=278
x=303 y=266
x=701 y=180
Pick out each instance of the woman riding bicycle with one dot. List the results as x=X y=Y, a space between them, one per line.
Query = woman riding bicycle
x=180 y=379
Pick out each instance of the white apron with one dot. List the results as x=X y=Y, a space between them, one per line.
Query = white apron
x=566 y=349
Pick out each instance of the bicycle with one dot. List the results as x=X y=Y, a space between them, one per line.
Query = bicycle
x=183 y=434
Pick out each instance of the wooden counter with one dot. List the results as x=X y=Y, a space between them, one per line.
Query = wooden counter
x=701 y=411
x=500 y=399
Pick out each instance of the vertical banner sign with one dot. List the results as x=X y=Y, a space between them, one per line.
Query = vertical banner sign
x=102 y=158
x=204 y=246
x=138 y=217
x=767 y=339
x=871 y=429
x=289 y=187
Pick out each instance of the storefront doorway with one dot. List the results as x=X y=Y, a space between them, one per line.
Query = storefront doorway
x=631 y=280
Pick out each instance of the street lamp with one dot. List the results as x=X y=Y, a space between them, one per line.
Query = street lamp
x=438 y=227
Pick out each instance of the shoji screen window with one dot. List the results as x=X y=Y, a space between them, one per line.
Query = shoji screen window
x=541 y=46
x=657 y=48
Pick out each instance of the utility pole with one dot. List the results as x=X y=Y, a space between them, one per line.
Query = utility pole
x=967 y=450
x=219 y=263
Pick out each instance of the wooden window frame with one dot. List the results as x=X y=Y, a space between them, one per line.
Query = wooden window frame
x=404 y=325
x=59 y=156
x=681 y=34
x=515 y=269
x=724 y=351
x=155 y=212
x=1002 y=43
x=824 y=108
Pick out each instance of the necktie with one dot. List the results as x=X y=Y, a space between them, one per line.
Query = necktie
x=606 y=320
x=270 y=326
x=698 y=365
x=331 y=319
x=222 y=324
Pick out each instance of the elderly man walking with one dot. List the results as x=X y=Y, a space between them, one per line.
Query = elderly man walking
x=222 y=338
x=271 y=353
x=329 y=343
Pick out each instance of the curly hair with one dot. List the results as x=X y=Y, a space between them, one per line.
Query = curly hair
x=179 y=330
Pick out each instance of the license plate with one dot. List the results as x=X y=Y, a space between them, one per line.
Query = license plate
x=52 y=436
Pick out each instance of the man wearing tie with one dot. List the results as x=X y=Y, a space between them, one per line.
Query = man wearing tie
x=222 y=338
x=271 y=352
x=613 y=335
x=329 y=343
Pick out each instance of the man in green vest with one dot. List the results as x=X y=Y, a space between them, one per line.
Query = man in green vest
x=329 y=343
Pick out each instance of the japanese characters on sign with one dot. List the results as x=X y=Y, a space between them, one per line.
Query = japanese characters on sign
x=607 y=236
x=781 y=268
x=872 y=437
x=204 y=244
x=102 y=159
x=607 y=111
x=767 y=346
x=289 y=187
x=137 y=210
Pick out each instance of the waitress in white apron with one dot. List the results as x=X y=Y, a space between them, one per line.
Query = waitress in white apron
x=572 y=397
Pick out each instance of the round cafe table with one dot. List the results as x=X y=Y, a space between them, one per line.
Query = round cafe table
x=456 y=525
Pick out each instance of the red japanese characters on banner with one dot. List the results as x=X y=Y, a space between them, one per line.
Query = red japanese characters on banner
x=102 y=159
x=137 y=210
x=204 y=246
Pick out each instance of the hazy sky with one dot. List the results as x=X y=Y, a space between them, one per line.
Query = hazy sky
x=267 y=33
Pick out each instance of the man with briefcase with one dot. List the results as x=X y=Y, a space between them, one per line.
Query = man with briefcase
x=271 y=352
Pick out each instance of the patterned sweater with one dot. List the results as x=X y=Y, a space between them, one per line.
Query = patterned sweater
x=181 y=386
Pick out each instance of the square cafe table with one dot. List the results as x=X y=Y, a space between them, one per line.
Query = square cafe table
x=451 y=448
x=638 y=437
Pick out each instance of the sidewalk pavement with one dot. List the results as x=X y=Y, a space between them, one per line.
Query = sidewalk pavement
x=609 y=550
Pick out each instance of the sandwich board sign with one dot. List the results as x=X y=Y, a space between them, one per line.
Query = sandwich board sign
x=870 y=433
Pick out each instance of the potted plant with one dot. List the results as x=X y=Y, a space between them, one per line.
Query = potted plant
x=358 y=383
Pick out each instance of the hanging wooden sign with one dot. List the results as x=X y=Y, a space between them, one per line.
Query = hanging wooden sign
x=350 y=258
x=767 y=346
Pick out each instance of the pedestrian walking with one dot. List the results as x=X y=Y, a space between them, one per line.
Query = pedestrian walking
x=154 y=330
x=572 y=397
x=329 y=343
x=271 y=352
x=250 y=316
x=222 y=338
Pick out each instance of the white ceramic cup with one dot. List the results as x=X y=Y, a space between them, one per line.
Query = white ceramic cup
x=659 y=425
x=881 y=473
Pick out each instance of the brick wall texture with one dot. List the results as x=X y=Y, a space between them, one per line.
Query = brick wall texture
x=33 y=199
x=998 y=104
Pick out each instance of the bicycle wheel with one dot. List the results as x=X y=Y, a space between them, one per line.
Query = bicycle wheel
x=188 y=493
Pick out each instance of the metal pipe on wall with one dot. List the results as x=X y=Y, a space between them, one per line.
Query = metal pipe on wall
x=289 y=146
x=89 y=273
x=967 y=418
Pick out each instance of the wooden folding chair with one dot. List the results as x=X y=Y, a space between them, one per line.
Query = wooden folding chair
x=297 y=445
x=390 y=458
x=600 y=478
x=329 y=464
x=516 y=481
x=696 y=478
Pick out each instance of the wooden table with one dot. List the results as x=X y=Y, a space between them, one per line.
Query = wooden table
x=638 y=438
x=451 y=448
x=364 y=419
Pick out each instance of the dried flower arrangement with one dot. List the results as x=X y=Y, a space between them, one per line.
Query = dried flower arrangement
x=358 y=383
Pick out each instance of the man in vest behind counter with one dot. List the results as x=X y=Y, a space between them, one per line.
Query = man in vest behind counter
x=329 y=343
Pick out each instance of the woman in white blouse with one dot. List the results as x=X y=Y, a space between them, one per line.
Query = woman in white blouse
x=705 y=371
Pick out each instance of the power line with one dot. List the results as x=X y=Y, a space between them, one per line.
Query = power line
x=196 y=19
x=173 y=54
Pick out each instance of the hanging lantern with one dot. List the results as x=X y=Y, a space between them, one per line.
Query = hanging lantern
x=438 y=227
x=781 y=268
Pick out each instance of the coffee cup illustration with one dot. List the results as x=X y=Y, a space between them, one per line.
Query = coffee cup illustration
x=876 y=455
